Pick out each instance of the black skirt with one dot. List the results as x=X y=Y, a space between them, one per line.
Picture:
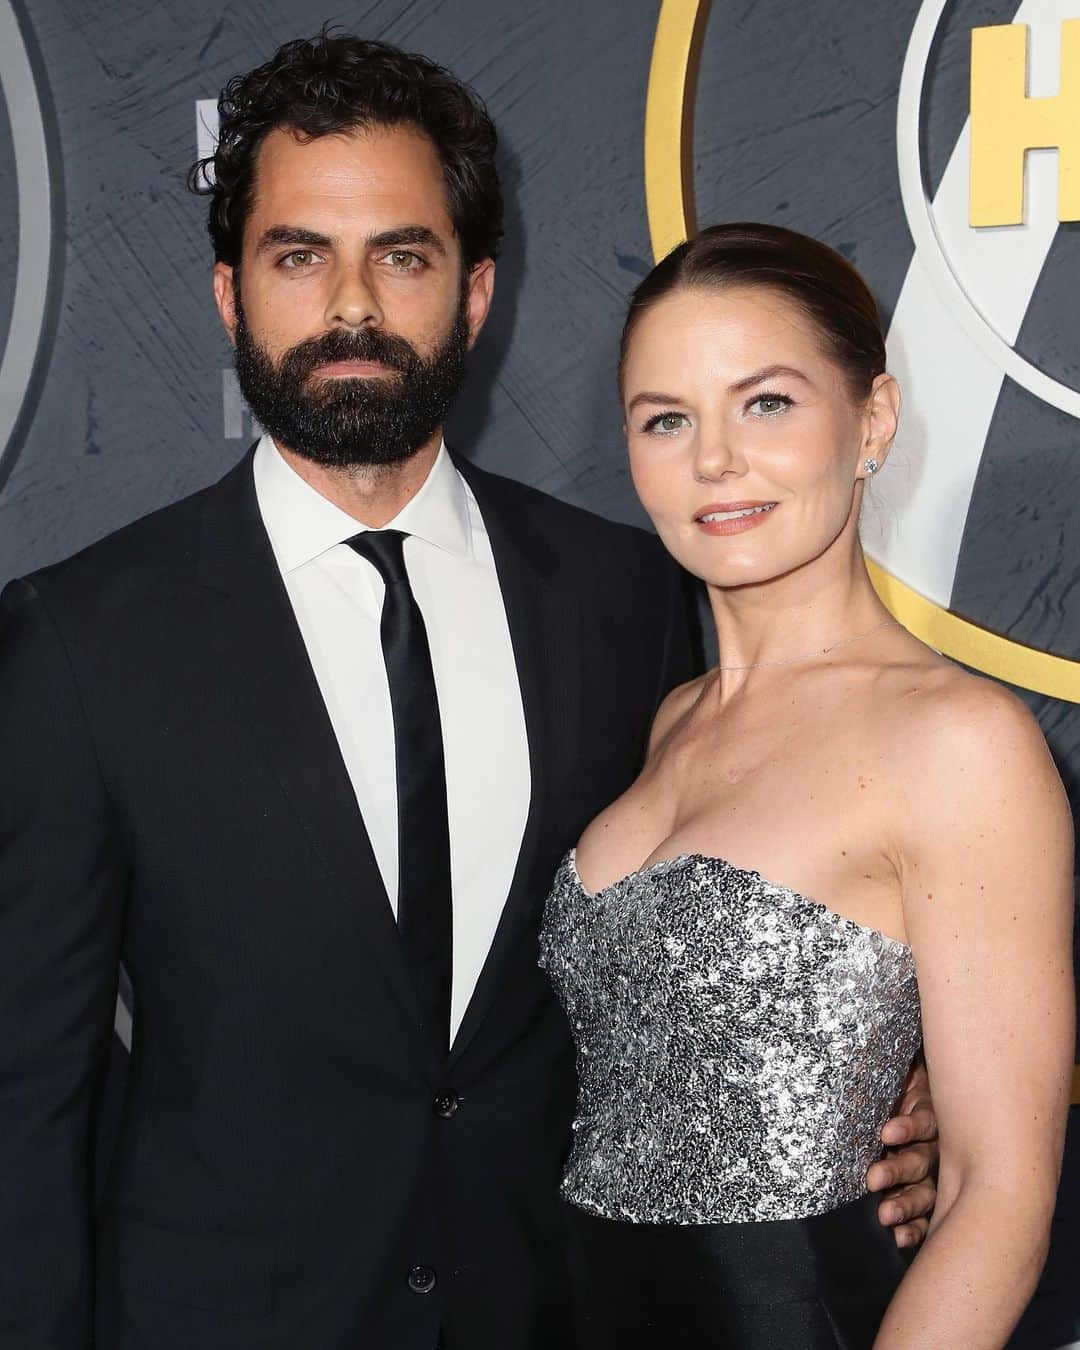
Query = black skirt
x=792 y=1284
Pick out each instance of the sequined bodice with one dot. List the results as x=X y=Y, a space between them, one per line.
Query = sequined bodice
x=739 y=1045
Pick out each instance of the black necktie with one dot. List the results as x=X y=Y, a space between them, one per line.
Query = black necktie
x=424 y=906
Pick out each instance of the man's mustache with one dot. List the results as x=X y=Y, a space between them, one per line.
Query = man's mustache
x=343 y=344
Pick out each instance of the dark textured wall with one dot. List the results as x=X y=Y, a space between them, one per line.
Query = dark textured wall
x=796 y=113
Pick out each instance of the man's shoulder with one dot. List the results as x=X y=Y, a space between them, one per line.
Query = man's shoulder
x=564 y=521
x=140 y=554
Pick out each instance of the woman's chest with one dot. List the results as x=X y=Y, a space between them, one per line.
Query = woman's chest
x=808 y=807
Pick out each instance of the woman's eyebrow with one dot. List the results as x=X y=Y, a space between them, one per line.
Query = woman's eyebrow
x=766 y=373
x=646 y=396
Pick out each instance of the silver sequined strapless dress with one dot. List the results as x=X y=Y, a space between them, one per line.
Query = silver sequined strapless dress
x=739 y=1047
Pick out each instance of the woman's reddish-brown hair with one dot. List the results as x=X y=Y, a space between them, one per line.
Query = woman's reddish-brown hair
x=824 y=285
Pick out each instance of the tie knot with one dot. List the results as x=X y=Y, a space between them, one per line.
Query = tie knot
x=385 y=549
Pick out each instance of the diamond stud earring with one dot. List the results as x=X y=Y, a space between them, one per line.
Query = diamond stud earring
x=871 y=466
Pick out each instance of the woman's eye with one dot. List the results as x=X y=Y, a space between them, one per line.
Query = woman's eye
x=666 y=423
x=768 y=405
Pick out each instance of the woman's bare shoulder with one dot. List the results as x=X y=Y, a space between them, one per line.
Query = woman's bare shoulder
x=944 y=704
x=675 y=707
x=954 y=736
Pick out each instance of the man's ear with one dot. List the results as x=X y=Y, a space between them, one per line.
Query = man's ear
x=225 y=298
x=481 y=287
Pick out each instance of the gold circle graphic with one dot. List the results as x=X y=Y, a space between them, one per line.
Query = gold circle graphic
x=669 y=199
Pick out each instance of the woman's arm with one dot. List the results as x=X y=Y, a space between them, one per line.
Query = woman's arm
x=985 y=856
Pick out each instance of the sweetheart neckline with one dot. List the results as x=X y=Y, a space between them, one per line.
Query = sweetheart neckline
x=644 y=871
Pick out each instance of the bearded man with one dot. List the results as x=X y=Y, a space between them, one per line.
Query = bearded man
x=303 y=751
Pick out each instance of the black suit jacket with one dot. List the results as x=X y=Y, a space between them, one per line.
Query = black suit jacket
x=173 y=797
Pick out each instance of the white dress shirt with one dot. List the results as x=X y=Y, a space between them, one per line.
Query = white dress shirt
x=337 y=597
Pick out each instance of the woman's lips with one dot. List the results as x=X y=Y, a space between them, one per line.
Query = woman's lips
x=733 y=517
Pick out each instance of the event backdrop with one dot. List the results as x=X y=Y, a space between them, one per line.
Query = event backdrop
x=623 y=122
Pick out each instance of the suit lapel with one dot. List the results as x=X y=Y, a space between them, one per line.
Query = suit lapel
x=260 y=652
x=545 y=632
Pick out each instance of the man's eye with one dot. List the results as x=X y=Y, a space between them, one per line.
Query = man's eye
x=298 y=258
x=665 y=424
x=402 y=260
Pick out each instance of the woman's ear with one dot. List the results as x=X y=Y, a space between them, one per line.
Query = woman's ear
x=882 y=417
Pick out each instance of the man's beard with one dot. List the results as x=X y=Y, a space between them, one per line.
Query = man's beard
x=348 y=422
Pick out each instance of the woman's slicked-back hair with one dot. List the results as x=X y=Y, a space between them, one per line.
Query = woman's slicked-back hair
x=333 y=83
x=823 y=284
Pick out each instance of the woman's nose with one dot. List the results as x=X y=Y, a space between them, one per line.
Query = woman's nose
x=716 y=454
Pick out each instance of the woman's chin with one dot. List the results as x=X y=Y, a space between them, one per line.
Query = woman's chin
x=733 y=573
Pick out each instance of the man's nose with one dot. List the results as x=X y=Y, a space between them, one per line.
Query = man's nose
x=352 y=300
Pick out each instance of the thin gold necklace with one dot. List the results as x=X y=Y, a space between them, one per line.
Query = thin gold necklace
x=818 y=651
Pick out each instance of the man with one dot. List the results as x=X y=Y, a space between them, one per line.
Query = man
x=304 y=752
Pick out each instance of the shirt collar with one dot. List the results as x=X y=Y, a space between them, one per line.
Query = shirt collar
x=303 y=524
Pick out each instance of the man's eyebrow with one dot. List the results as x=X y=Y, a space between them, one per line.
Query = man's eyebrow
x=277 y=235
x=296 y=235
x=408 y=234
x=767 y=373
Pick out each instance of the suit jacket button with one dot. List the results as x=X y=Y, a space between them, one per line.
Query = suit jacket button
x=421 y=1279
x=446 y=1104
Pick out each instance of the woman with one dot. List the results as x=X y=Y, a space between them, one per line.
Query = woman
x=740 y=1043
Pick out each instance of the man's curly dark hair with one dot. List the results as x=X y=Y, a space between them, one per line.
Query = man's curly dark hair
x=337 y=82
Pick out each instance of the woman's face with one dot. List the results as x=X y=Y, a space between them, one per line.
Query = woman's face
x=745 y=443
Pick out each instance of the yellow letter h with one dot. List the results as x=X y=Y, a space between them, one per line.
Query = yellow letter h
x=1005 y=123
